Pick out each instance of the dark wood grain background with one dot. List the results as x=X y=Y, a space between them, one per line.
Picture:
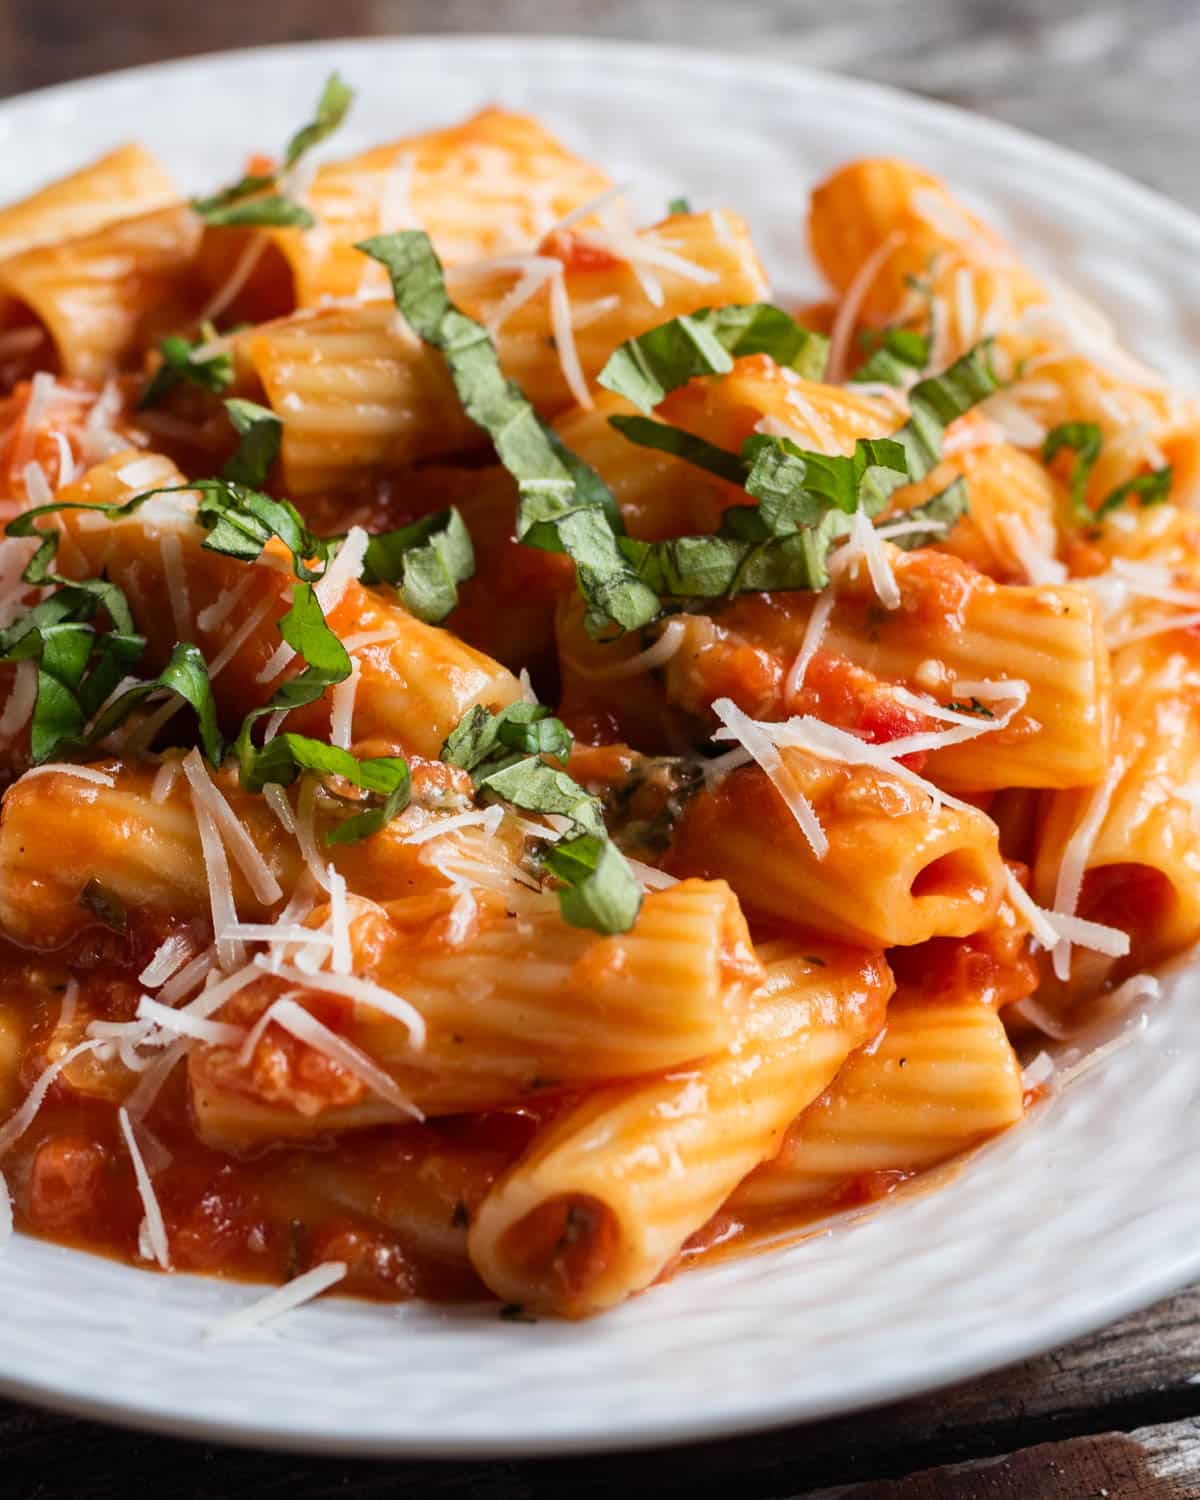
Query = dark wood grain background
x=1116 y=1415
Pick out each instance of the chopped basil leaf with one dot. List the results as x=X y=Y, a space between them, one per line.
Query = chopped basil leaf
x=178 y=366
x=647 y=433
x=503 y=752
x=646 y=368
x=256 y=200
x=562 y=505
x=943 y=510
x=892 y=361
x=481 y=735
x=678 y=206
x=105 y=904
x=241 y=521
x=385 y=776
x=273 y=211
x=332 y=107
x=599 y=892
x=185 y=674
x=1150 y=489
x=426 y=561
x=1084 y=439
x=306 y=631
x=938 y=400
x=532 y=784
x=261 y=433
x=781 y=471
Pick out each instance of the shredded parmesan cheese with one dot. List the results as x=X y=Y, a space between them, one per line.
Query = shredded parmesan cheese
x=842 y=332
x=156 y=1232
x=863 y=545
x=814 y=633
x=341 y=713
x=62 y=768
x=19 y=705
x=169 y=958
x=20 y=1120
x=756 y=740
x=286 y=1013
x=253 y=866
x=362 y=992
x=282 y=1300
x=655 y=656
x=1075 y=856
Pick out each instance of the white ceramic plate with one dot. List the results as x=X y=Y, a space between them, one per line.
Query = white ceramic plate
x=1088 y=1211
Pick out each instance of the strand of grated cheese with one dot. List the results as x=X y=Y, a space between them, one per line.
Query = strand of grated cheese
x=306 y=831
x=253 y=866
x=182 y=1023
x=302 y=1024
x=842 y=332
x=346 y=566
x=37 y=486
x=342 y=958
x=156 y=1229
x=18 y=707
x=187 y=978
x=169 y=957
x=220 y=886
x=283 y=1299
x=6 y=1213
x=150 y=1085
x=756 y=740
x=164 y=780
x=1074 y=860
x=564 y=340
x=171 y=549
x=239 y=637
x=226 y=601
x=63 y=768
x=814 y=633
x=863 y=544
x=22 y=1117
x=243 y=269
x=362 y=992
x=276 y=799
x=341 y=710
x=655 y=656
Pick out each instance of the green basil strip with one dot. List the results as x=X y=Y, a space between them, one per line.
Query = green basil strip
x=386 y=776
x=244 y=204
x=943 y=509
x=261 y=434
x=1084 y=440
x=241 y=521
x=426 y=561
x=646 y=368
x=307 y=632
x=332 y=108
x=600 y=892
x=179 y=367
x=1150 y=489
x=185 y=674
x=481 y=736
x=938 y=400
x=897 y=354
x=647 y=433
x=678 y=206
x=599 y=889
x=562 y=505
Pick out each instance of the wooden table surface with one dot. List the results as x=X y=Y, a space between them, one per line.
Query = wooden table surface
x=1115 y=1415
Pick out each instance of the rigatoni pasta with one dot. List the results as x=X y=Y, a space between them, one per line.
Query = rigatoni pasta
x=492 y=706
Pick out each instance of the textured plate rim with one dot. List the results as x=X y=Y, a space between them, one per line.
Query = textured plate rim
x=747 y=1414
